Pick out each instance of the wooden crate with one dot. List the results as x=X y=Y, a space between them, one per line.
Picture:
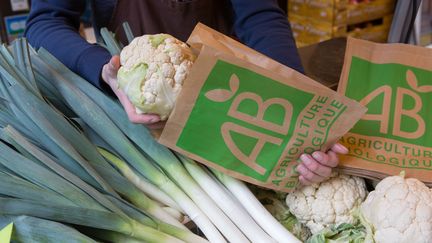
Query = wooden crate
x=307 y=31
x=341 y=12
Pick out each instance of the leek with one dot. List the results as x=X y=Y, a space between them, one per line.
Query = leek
x=227 y=203
x=138 y=181
x=44 y=139
x=128 y=31
x=56 y=124
x=40 y=175
x=30 y=229
x=112 y=45
x=98 y=120
x=138 y=215
x=14 y=186
x=83 y=216
x=141 y=136
x=63 y=148
x=256 y=209
x=175 y=213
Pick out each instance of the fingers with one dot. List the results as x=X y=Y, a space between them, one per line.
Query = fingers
x=315 y=166
x=329 y=159
x=339 y=148
x=308 y=175
x=124 y=100
x=304 y=181
x=131 y=111
x=333 y=159
x=145 y=119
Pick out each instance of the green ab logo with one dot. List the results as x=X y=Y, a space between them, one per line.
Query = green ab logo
x=399 y=111
x=222 y=95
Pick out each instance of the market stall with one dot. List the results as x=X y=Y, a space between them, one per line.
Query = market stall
x=225 y=164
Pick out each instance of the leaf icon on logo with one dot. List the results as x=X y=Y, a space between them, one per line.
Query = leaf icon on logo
x=234 y=83
x=413 y=83
x=222 y=95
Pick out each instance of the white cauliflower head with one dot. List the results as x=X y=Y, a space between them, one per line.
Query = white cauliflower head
x=399 y=211
x=331 y=202
x=153 y=70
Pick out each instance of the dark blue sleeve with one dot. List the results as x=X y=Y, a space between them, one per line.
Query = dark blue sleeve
x=53 y=25
x=263 y=26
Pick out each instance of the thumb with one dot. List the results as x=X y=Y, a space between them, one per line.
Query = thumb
x=115 y=63
x=109 y=70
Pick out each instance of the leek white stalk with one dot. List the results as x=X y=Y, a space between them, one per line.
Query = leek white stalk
x=256 y=209
x=174 y=213
x=208 y=206
x=227 y=203
x=141 y=183
x=142 y=217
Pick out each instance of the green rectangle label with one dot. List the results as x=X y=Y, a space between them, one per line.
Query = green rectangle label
x=396 y=130
x=242 y=120
x=397 y=98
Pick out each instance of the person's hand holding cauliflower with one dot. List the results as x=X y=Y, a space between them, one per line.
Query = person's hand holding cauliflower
x=148 y=76
x=153 y=69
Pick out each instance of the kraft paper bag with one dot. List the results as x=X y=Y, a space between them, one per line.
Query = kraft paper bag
x=394 y=81
x=253 y=122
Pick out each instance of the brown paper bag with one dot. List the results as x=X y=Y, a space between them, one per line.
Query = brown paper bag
x=204 y=35
x=395 y=82
x=253 y=122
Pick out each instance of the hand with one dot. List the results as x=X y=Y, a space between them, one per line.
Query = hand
x=109 y=75
x=317 y=167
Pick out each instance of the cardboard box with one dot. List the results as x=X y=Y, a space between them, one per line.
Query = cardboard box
x=369 y=11
x=373 y=32
x=341 y=12
x=308 y=31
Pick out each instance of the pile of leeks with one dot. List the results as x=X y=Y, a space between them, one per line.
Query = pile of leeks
x=70 y=159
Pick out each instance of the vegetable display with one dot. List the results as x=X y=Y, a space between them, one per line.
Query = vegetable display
x=69 y=155
x=274 y=202
x=73 y=168
x=399 y=210
x=331 y=202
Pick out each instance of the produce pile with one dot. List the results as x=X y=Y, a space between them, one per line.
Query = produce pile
x=73 y=168
x=398 y=209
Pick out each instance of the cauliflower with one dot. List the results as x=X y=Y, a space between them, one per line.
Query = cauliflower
x=153 y=69
x=331 y=202
x=399 y=210
x=274 y=203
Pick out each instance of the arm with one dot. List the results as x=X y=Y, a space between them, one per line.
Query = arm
x=263 y=26
x=53 y=25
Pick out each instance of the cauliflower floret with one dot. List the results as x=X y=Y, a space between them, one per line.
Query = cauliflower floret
x=153 y=71
x=330 y=202
x=400 y=211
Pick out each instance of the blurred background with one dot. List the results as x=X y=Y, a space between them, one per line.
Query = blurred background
x=312 y=21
